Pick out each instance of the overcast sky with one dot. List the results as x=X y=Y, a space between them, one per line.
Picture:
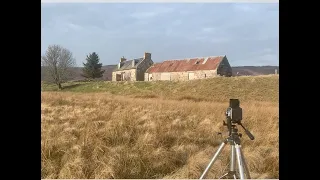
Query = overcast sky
x=247 y=33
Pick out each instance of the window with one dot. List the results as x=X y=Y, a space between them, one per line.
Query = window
x=205 y=75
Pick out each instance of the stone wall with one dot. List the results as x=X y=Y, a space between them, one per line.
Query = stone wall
x=183 y=76
x=128 y=75
x=203 y=74
x=142 y=67
x=146 y=76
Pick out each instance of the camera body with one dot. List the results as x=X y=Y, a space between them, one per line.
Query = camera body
x=234 y=111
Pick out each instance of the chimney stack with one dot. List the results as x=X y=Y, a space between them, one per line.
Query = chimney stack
x=147 y=55
x=123 y=59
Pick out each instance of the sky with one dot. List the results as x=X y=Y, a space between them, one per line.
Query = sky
x=248 y=34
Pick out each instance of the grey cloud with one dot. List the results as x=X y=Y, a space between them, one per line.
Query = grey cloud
x=247 y=34
x=208 y=29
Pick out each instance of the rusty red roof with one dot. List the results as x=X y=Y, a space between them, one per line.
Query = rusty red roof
x=190 y=64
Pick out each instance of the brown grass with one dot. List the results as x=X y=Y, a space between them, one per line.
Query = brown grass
x=98 y=135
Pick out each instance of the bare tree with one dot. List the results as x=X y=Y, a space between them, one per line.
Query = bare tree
x=57 y=63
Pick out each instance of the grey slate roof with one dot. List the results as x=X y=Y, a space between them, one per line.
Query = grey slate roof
x=128 y=64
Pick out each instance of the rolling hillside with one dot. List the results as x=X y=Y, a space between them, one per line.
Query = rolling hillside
x=77 y=73
x=255 y=88
x=242 y=71
x=254 y=70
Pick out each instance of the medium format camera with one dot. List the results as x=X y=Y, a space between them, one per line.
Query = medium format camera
x=234 y=111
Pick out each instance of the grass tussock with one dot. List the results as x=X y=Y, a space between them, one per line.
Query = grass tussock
x=104 y=136
x=220 y=89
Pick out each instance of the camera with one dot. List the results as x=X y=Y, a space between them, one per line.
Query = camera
x=234 y=111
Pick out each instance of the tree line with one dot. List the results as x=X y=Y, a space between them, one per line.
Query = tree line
x=57 y=63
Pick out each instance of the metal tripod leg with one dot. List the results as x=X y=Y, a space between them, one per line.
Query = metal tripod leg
x=232 y=171
x=240 y=161
x=245 y=166
x=215 y=157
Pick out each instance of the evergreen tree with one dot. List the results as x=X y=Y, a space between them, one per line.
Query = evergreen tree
x=92 y=69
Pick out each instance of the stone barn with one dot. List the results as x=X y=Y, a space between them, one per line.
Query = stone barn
x=189 y=69
x=132 y=70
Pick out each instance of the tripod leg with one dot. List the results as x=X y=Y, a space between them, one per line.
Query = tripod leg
x=233 y=161
x=228 y=175
x=213 y=159
x=240 y=163
x=245 y=166
x=232 y=171
x=233 y=158
x=225 y=175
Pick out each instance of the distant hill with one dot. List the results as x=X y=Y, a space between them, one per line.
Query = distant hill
x=238 y=70
x=107 y=76
x=254 y=70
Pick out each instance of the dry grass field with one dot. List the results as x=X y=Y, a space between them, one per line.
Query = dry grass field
x=123 y=135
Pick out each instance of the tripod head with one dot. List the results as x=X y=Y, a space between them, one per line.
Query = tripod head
x=234 y=117
x=232 y=128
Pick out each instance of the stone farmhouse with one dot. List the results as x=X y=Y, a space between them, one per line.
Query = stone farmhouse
x=132 y=70
x=189 y=69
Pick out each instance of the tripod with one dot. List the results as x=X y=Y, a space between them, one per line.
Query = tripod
x=236 y=154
